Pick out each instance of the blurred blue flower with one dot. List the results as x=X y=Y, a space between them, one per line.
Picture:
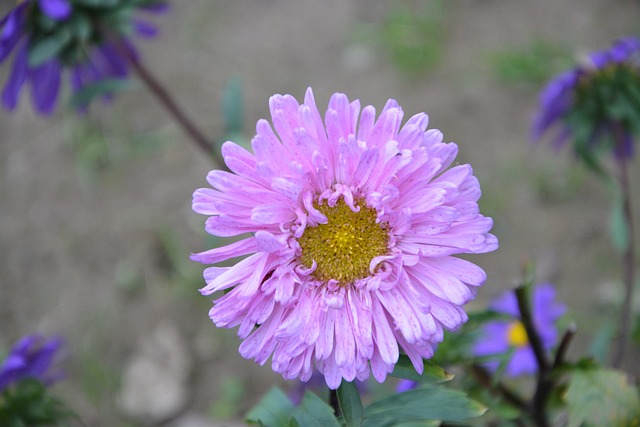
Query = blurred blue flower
x=31 y=357
x=597 y=103
x=501 y=336
x=49 y=36
x=406 y=385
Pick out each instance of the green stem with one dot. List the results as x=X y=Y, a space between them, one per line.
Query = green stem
x=628 y=259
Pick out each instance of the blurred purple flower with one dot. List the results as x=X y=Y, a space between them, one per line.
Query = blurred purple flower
x=498 y=337
x=561 y=96
x=31 y=357
x=406 y=385
x=98 y=63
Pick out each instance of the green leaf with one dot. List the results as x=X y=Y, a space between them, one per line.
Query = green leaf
x=430 y=402
x=313 y=412
x=43 y=49
x=602 y=397
x=350 y=403
x=83 y=97
x=273 y=410
x=29 y=403
x=80 y=26
x=233 y=106
x=618 y=226
x=432 y=372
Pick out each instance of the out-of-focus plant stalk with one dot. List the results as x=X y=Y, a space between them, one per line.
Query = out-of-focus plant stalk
x=628 y=257
x=545 y=382
x=167 y=101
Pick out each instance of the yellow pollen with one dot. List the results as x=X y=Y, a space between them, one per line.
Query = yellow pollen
x=517 y=334
x=344 y=247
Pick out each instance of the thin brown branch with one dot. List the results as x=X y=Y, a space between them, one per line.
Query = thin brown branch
x=166 y=100
x=498 y=389
x=628 y=259
x=545 y=382
x=564 y=345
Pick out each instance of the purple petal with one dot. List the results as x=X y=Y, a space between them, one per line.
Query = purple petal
x=16 y=79
x=145 y=29
x=55 y=9
x=45 y=81
x=156 y=7
x=12 y=31
x=111 y=61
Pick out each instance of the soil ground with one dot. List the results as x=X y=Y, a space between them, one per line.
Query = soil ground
x=95 y=218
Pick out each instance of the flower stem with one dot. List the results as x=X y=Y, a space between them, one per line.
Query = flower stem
x=545 y=381
x=628 y=264
x=564 y=345
x=484 y=378
x=167 y=101
x=334 y=402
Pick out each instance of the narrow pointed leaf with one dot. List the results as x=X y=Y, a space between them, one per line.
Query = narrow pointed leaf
x=432 y=372
x=350 y=404
x=44 y=49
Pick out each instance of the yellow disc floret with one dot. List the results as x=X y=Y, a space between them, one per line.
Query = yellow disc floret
x=517 y=334
x=344 y=247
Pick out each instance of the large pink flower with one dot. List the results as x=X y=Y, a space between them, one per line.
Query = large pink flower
x=352 y=230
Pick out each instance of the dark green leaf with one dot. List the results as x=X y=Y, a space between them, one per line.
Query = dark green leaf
x=313 y=412
x=432 y=372
x=29 y=403
x=350 y=404
x=618 y=226
x=430 y=402
x=80 y=26
x=273 y=410
x=43 y=49
x=233 y=106
x=602 y=397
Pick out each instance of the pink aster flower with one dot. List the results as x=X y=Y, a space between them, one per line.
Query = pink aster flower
x=354 y=223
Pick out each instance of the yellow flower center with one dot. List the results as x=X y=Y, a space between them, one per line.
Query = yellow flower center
x=343 y=247
x=517 y=334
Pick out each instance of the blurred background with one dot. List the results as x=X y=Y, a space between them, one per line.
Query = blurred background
x=95 y=210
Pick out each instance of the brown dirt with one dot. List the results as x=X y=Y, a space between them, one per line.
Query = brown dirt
x=67 y=245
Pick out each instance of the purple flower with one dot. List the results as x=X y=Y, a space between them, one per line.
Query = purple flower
x=89 y=64
x=31 y=357
x=594 y=95
x=354 y=222
x=499 y=337
x=406 y=385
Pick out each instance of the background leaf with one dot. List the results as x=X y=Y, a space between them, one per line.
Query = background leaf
x=602 y=397
x=618 y=226
x=429 y=402
x=46 y=48
x=313 y=412
x=273 y=410
x=350 y=403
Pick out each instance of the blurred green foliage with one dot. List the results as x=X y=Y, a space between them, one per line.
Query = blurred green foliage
x=30 y=404
x=414 y=37
x=602 y=397
x=529 y=65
